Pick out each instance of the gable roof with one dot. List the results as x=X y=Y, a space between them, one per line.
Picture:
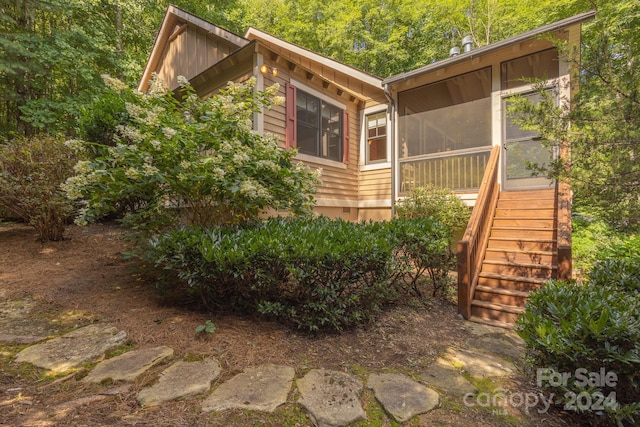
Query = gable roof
x=273 y=41
x=172 y=17
x=559 y=25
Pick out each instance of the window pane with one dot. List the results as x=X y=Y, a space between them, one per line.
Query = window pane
x=376 y=144
x=453 y=114
x=319 y=127
x=540 y=66
x=307 y=139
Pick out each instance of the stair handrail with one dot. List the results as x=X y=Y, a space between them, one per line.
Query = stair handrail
x=472 y=246
x=563 y=230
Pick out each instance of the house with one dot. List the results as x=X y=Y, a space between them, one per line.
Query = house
x=375 y=140
x=329 y=113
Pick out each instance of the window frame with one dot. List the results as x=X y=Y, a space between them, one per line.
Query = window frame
x=364 y=165
x=292 y=121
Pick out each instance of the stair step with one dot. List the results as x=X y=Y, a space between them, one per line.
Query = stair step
x=546 y=233
x=522 y=244
x=525 y=212
x=524 y=222
x=494 y=311
x=504 y=296
x=518 y=256
x=490 y=322
x=517 y=283
x=522 y=269
x=530 y=203
x=528 y=194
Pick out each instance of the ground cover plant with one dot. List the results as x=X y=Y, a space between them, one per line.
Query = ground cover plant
x=594 y=327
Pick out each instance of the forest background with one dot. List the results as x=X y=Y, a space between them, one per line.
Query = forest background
x=53 y=52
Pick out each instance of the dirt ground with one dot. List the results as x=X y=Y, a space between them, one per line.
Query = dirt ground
x=85 y=279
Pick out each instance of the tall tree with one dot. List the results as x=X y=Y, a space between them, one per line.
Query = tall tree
x=602 y=124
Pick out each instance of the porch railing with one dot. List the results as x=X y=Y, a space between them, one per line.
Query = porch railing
x=455 y=170
x=472 y=247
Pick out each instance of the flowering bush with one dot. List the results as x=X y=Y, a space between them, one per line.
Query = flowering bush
x=31 y=171
x=197 y=160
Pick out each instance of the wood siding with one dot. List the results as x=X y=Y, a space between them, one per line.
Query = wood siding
x=189 y=52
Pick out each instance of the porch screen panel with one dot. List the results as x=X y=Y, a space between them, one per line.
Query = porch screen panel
x=444 y=119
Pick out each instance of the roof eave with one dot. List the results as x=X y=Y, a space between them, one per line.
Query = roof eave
x=338 y=66
x=559 y=25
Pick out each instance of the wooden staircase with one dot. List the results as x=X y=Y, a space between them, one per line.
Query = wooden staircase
x=515 y=241
x=521 y=254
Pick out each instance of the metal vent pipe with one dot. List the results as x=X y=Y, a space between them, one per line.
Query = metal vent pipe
x=467 y=43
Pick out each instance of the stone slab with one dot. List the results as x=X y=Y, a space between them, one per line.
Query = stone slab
x=69 y=351
x=262 y=388
x=480 y=365
x=500 y=345
x=180 y=380
x=128 y=366
x=402 y=397
x=332 y=398
x=446 y=378
x=18 y=326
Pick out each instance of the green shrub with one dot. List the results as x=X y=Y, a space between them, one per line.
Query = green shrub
x=313 y=273
x=422 y=247
x=440 y=204
x=198 y=161
x=619 y=267
x=593 y=327
x=31 y=172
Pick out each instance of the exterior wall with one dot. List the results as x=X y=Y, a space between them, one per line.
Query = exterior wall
x=344 y=186
x=204 y=50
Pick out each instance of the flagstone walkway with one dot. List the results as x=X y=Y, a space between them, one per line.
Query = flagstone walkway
x=330 y=397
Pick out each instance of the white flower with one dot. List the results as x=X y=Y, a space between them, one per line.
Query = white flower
x=155 y=143
x=75 y=145
x=182 y=81
x=82 y=167
x=240 y=157
x=149 y=170
x=113 y=83
x=157 y=86
x=132 y=173
x=169 y=132
x=273 y=89
x=278 y=100
x=218 y=173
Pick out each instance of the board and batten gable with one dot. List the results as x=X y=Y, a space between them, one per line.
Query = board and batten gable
x=187 y=46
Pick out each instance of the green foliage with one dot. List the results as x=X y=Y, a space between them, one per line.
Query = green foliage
x=592 y=326
x=208 y=327
x=440 y=204
x=422 y=249
x=619 y=267
x=197 y=161
x=99 y=121
x=594 y=239
x=601 y=123
x=313 y=273
x=31 y=171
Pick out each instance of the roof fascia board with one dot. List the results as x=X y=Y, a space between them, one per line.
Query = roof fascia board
x=484 y=50
x=338 y=66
